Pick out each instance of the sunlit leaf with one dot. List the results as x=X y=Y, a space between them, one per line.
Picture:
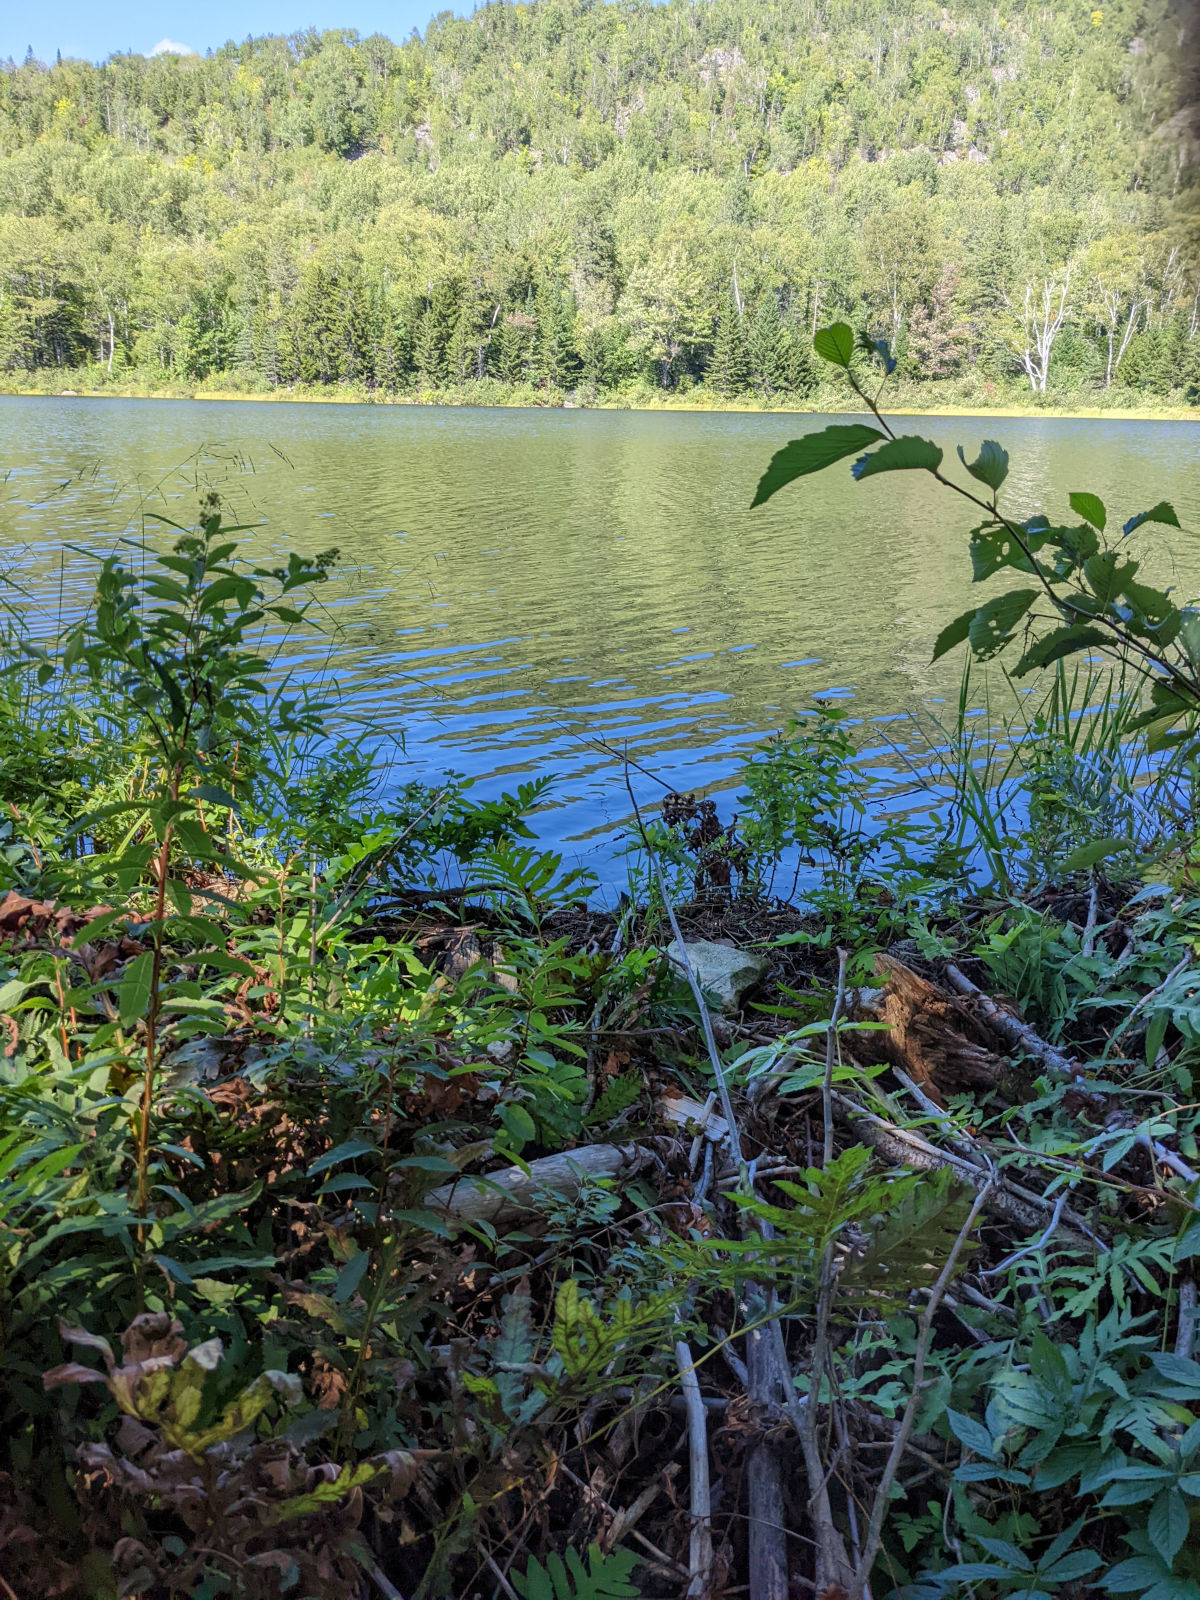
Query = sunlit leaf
x=1091 y=508
x=835 y=344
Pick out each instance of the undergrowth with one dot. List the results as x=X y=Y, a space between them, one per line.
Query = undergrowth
x=370 y=1220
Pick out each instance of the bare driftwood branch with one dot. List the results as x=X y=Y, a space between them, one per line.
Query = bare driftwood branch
x=908 y=1149
x=1185 y=1335
x=503 y=1196
x=658 y=1558
x=834 y=1569
x=767 y=1536
x=1012 y=1030
x=700 y=1548
x=1158 y=1151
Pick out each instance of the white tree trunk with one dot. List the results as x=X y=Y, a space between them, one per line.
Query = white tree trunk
x=1042 y=318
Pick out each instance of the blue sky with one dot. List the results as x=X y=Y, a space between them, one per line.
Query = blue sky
x=85 y=28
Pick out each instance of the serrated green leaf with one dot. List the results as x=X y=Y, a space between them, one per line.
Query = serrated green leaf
x=813 y=453
x=1167 y=1524
x=1057 y=644
x=990 y=466
x=1090 y=508
x=954 y=633
x=909 y=453
x=971 y=1433
x=1138 y=1573
x=835 y=344
x=1163 y=513
x=1107 y=575
x=133 y=992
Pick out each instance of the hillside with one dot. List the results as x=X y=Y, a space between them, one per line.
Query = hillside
x=593 y=198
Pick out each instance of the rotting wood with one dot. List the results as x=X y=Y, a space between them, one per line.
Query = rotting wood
x=931 y=1035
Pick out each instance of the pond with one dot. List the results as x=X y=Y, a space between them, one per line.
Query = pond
x=541 y=591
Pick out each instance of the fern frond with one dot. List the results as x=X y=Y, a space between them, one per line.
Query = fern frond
x=604 y=1578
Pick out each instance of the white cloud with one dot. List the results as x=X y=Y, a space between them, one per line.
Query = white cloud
x=169 y=47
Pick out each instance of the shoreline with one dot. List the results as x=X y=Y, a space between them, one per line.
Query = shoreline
x=676 y=404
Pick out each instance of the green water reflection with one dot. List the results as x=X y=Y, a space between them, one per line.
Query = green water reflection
x=517 y=582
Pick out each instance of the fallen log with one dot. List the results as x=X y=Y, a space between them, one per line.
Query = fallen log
x=513 y=1191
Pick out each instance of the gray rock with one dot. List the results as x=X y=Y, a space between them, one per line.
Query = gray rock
x=724 y=975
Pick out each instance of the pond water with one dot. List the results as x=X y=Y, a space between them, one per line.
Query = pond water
x=516 y=585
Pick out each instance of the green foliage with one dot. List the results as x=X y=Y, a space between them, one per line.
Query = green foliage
x=436 y=217
x=1088 y=590
x=604 y=1578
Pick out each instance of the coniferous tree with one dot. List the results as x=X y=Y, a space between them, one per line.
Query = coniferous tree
x=465 y=349
x=428 y=350
x=434 y=331
x=729 y=365
x=393 y=354
x=512 y=347
x=244 y=361
x=767 y=346
x=800 y=373
x=593 y=358
x=555 y=317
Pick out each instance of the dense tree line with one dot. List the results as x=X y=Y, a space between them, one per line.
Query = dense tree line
x=574 y=195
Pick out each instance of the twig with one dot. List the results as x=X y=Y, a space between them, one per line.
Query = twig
x=594 y=1025
x=1180 y=966
x=382 y=1582
x=906 y=1148
x=659 y=1556
x=830 y=1051
x=1185 y=1335
x=954 y=1134
x=500 y=1575
x=883 y=1492
x=833 y=1563
x=1030 y=1249
x=1088 y=944
x=1177 y=1164
x=700 y=1549
x=627 y=1519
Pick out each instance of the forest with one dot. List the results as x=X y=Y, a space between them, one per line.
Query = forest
x=581 y=202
